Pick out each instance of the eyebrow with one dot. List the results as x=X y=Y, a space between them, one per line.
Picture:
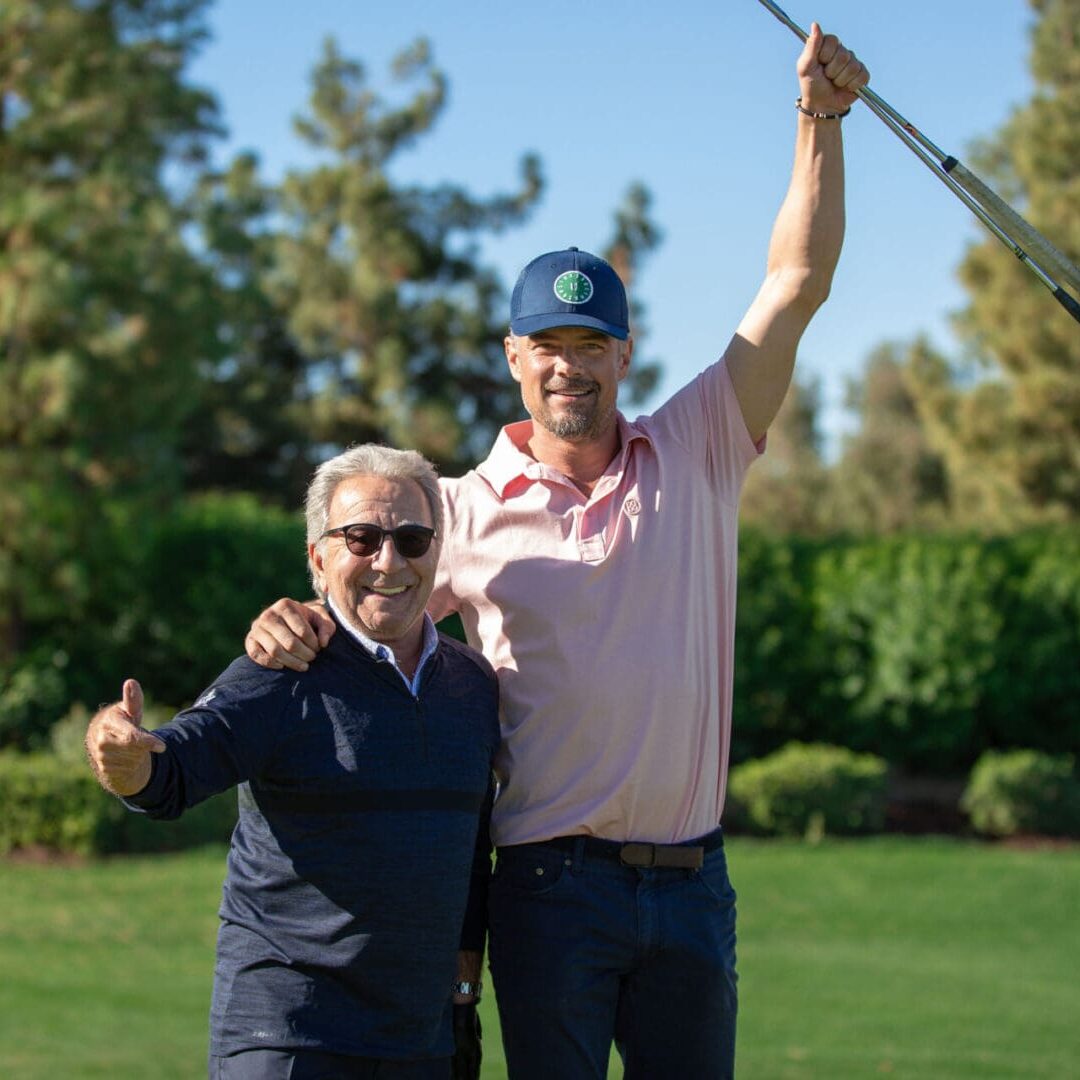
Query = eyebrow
x=364 y=521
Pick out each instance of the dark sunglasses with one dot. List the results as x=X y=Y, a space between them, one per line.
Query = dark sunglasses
x=365 y=540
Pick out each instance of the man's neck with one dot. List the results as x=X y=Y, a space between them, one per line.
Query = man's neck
x=407 y=651
x=581 y=462
x=408 y=655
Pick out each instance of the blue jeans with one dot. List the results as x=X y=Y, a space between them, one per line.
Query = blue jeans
x=585 y=950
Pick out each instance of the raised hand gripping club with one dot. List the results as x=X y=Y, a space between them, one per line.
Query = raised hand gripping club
x=1048 y=264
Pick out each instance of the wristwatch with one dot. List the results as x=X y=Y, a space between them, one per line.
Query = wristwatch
x=472 y=989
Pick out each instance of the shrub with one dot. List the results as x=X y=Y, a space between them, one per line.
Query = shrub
x=1023 y=791
x=45 y=802
x=777 y=665
x=51 y=803
x=209 y=568
x=1032 y=692
x=168 y=600
x=806 y=789
x=912 y=627
x=32 y=692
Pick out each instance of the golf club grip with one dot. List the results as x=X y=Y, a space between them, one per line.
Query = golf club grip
x=1025 y=235
x=1067 y=302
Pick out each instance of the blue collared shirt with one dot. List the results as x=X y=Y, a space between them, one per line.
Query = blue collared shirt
x=384 y=652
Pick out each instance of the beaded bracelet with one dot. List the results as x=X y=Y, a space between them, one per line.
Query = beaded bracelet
x=821 y=115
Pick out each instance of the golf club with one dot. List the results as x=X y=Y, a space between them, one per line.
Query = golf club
x=1023 y=239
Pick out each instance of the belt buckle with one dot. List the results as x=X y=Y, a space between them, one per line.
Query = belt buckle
x=640 y=856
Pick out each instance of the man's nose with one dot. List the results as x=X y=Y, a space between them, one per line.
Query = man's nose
x=387 y=558
x=569 y=362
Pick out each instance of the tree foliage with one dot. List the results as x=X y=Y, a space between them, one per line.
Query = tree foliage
x=356 y=307
x=888 y=477
x=401 y=326
x=785 y=490
x=634 y=235
x=100 y=300
x=168 y=327
x=248 y=432
x=1012 y=438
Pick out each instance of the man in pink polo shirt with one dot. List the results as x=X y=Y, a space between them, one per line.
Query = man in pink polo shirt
x=593 y=560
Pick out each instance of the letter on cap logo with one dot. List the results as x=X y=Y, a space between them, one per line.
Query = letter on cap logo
x=573 y=287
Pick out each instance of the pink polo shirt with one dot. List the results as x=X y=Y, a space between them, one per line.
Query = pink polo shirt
x=610 y=620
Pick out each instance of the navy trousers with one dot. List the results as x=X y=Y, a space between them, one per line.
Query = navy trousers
x=585 y=950
x=317 y=1065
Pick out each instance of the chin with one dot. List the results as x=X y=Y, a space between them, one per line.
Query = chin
x=571 y=427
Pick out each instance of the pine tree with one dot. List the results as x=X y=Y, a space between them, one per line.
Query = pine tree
x=784 y=491
x=635 y=235
x=102 y=308
x=379 y=281
x=1012 y=437
x=250 y=431
x=888 y=477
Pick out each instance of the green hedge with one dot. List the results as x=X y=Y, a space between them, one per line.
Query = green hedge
x=51 y=803
x=927 y=650
x=809 y=790
x=171 y=607
x=1023 y=791
x=909 y=628
x=209 y=568
x=778 y=659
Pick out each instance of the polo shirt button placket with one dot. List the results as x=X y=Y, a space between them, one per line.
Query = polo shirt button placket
x=590 y=547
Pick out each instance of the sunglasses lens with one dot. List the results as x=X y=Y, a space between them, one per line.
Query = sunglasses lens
x=363 y=540
x=412 y=541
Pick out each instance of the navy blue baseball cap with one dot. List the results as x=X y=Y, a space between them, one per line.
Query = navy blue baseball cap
x=569 y=288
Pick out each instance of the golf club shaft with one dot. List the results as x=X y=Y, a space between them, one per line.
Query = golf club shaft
x=983 y=213
x=1026 y=242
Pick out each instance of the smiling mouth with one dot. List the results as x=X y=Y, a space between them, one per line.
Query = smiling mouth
x=570 y=391
x=383 y=590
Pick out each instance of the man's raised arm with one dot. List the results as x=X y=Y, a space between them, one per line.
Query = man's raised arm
x=806 y=237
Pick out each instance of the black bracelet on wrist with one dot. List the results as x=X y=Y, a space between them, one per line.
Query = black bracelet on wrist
x=821 y=115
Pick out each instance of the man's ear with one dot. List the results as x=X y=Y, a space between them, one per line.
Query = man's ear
x=510 y=347
x=625 y=353
x=318 y=569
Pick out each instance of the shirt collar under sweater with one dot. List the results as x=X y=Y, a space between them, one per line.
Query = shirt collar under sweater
x=383 y=652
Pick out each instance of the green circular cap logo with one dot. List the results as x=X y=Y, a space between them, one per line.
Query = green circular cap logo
x=573 y=287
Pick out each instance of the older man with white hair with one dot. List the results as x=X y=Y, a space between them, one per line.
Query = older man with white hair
x=353 y=912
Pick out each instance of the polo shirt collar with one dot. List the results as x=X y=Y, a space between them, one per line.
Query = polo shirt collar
x=510 y=461
x=383 y=652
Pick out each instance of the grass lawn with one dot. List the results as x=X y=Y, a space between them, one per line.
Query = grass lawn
x=889 y=957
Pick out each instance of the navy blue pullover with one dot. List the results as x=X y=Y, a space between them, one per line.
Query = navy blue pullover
x=362 y=826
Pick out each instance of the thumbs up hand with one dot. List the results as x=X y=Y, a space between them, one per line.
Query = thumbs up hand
x=117 y=746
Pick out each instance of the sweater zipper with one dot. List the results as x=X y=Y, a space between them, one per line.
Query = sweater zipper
x=418 y=711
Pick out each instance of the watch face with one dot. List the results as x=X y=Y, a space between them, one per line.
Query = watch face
x=573 y=287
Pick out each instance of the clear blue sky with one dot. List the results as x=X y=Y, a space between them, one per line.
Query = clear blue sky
x=696 y=101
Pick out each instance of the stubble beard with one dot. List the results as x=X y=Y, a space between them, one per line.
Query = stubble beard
x=578 y=424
